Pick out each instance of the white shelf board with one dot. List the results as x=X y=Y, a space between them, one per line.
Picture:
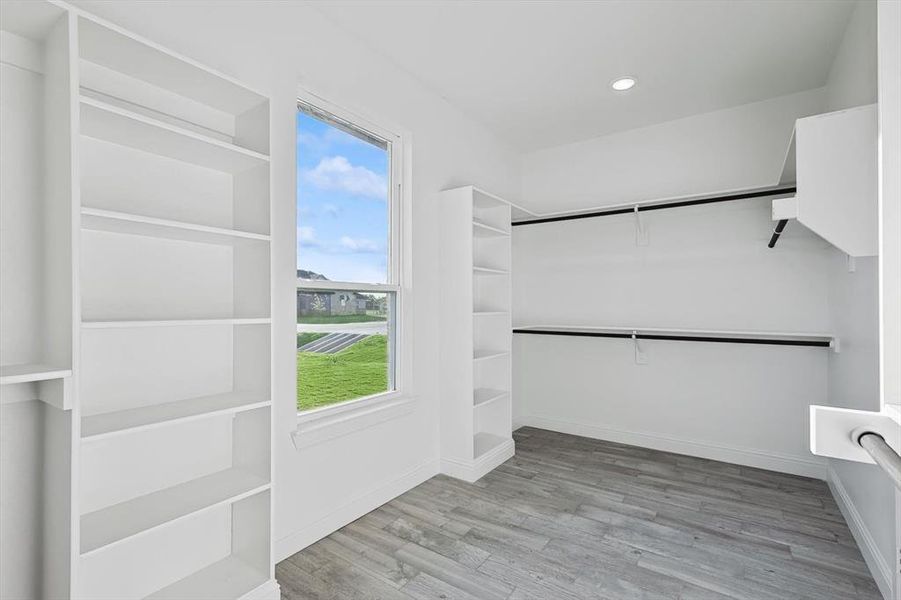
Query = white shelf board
x=102 y=528
x=172 y=323
x=118 y=222
x=227 y=578
x=798 y=336
x=489 y=313
x=25 y=373
x=485 y=200
x=100 y=426
x=119 y=126
x=480 y=229
x=483 y=396
x=488 y=354
x=488 y=271
x=483 y=443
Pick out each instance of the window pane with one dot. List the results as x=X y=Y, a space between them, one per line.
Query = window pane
x=345 y=346
x=342 y=202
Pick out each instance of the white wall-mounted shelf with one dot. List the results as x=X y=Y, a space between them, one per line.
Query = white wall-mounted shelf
x=483 y=443
x=831 y=159
x=485 y=396
x=488 y=354
x=101 y=426
x=701 y=335
x=479 y=270
x=490 y=313
x=119 y=126
x=480 y=229
x=118 y=222
x=231 y=577
x=102 y=528
x=25 y=373
x=173 y=323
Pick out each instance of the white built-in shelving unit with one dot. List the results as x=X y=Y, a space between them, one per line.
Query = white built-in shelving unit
x=476 y=402
x=136 y=291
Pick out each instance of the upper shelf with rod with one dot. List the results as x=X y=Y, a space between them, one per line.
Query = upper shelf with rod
x=828 y=184
x=780 y=191
x=831 y=160
x=775 y=338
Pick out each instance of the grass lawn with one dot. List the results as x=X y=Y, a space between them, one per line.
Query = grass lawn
x=327 y=319
x=308 y=336
x=361 y=370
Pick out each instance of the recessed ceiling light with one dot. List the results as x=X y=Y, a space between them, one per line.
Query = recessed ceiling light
x=623 y=83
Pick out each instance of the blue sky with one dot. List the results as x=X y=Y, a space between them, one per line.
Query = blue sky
x=342 y=212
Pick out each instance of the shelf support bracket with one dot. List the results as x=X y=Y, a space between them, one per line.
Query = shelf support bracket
x=640 y=357
x=641 y=232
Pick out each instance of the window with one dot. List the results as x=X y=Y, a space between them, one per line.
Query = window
x=348 y=267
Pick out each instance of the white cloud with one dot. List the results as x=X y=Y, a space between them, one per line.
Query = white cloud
x=336 y=173
x=309 y=142
x=306 y=236
x=361 y=245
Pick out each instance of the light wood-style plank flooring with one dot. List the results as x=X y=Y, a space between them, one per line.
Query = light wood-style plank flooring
x=571 y=517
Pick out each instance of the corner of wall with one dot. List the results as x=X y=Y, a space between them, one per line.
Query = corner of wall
x=869 y=548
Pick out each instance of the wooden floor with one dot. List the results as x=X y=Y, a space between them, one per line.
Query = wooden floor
x=570 y=517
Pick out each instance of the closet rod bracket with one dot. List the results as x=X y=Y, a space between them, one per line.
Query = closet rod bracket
x=640 y=357
x=641 y=232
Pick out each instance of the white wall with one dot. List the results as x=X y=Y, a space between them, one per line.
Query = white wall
x=889 y=63
x=705 y=267
x=21 y=422
x=734 y=148
x=274 y=47
x=866 y=495
x=890 y=195
x=21 y=443
x=852 y=77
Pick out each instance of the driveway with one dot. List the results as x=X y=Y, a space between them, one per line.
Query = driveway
x=372 y=328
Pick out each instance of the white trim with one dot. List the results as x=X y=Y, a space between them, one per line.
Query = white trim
x=400 y=253
x=472 y=471
x=879 y=568
x=750 y=457
x=267 y=591
x=354 y=509
x=330 y=422
x=319 y=285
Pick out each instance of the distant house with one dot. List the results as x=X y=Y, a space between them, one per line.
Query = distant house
x=335 y=303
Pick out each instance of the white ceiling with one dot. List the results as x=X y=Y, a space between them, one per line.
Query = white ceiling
x=538 y=73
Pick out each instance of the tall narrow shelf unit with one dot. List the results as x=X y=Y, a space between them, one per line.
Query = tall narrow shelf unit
x=476 y=402
x=157 y=307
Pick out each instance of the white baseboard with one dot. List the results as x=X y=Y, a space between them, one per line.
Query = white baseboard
x=356 y=508
x=268 y=591
x=771 y=461
x=472 y=471
x=879 y=568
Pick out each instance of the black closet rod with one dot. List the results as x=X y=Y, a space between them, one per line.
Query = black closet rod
x=678 y=338
x=660 y=206
x=777 y=232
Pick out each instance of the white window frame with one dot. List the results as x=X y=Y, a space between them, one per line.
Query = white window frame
x=319 y=424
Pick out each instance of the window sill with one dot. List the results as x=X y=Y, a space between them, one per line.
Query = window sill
x=323 y=424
